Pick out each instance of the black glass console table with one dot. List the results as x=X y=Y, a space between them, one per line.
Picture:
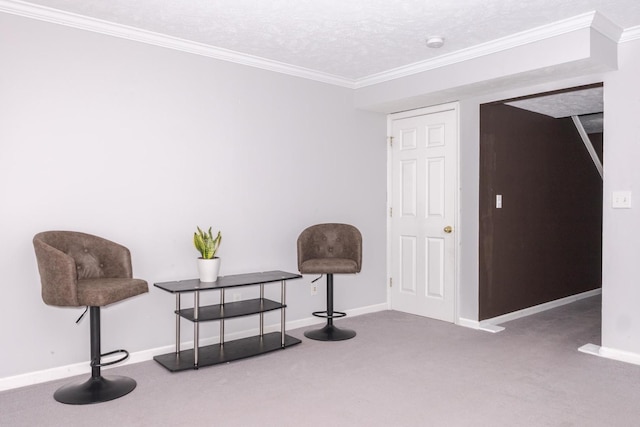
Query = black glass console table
x=223 y=352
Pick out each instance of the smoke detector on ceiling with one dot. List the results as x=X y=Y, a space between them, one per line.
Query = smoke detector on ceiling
x=435 y=42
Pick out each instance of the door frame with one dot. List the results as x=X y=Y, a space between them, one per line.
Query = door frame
x=456 y=212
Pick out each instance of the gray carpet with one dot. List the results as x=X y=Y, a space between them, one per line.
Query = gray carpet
x=400 y=370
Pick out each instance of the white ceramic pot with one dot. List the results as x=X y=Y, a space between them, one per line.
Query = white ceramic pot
x=208 y=269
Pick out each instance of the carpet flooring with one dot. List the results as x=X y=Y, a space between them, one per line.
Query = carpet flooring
x=400 y=370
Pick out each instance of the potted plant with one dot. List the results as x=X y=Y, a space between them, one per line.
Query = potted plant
x=208 y=263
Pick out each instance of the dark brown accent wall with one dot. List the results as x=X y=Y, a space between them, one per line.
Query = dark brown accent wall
x=546 y=241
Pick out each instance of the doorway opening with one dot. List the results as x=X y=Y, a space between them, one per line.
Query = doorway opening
x=541 y=199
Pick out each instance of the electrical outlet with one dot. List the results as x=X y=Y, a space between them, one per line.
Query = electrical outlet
x=237 y=297
x=314 y=289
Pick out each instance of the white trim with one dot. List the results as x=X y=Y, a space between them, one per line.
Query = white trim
x=606 y=27
x=310 y=321
x=388 y=207
x=468 y=323
x=83 y=368
x=487 y=327
x=588 y=144
x=489 y=323
x=585 y=20
x=81 y=22
x=457 y=238
x=630 y=34
x=611 y=353
x=480 y=326
x=591 y=349
x=366 y=310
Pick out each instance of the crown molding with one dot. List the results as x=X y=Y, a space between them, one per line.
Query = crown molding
x=585 y=20
x=606 y=27
x=630 y=34
x=73 y=20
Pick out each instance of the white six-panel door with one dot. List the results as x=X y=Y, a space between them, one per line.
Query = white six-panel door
x=423 y=211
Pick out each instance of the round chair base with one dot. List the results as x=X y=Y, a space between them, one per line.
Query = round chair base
x=95 y=390
x=330 y=333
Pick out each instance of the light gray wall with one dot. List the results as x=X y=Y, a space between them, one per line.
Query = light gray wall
x=468 y=283
x=519 y=74
x=621 y=227
x=139 y=144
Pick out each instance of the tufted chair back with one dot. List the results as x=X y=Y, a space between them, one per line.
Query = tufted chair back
x=330 y=248
x=78 y=269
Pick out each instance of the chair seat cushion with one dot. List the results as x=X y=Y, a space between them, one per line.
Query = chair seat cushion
x=328 y=266
x=101 y=292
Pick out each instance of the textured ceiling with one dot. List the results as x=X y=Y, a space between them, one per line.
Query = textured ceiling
x=593 y=123
x=586 y=103
x=351 y=39
x=575 y=103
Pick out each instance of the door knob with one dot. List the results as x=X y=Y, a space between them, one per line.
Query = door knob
x=448 y=229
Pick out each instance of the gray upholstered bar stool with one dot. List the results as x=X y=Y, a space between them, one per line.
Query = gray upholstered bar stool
x=330 y=249
x=78 y=269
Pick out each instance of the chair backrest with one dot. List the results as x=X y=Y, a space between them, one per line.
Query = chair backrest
x=326 y=241
x=64 y=257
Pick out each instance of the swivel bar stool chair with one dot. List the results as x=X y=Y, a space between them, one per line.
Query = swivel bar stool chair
x=78 y=269
x=330 y=249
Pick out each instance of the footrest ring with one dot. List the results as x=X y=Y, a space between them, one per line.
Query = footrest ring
x=325 y=315
x=113 y=362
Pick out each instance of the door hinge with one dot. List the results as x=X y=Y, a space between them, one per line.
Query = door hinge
x=391 y=212
x=390 y=138
x=391 y=282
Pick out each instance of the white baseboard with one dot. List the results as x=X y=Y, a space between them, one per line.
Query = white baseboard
x=481 y=326
x=611 y=353
x=591 y=349
x=468 y=323
x=491 y=325
x=66 y=371
x=310 y=321
x=368 y=309
x=83 y=368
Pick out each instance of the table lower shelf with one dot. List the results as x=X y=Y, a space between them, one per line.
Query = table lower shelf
x=231 y=350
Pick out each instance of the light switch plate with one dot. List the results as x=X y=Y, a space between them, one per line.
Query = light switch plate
x=621 y=199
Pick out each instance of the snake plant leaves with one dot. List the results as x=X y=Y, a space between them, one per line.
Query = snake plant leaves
x=205 y=243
